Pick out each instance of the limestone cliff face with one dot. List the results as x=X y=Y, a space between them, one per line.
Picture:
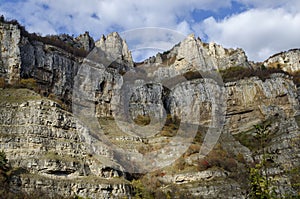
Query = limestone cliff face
x=273 y=103
x=287 y=61
x=115 y=47
x=193 y=54
x=52 y=68
x=248 y=102
x=181 y=87
x=208 y=57
x=54 y=148
x=10 y=56
x=252 y=101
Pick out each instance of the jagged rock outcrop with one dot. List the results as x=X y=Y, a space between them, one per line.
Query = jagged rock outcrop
x=192 y=54
x=86 y=41
x=83 y=41
x=287 y=61
x=115 y=48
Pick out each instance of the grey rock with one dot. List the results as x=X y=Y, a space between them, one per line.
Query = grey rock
x=10 y=58
x=287 y=61
x=86 y=41
x=116 y=48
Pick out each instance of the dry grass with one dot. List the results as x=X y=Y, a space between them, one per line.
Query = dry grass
x=29 y=83
x=238 y=72
x=2 y=82
x=12 y=95
x=142 y=120
x=56 y=99
x=171 y=126
x=218 y=157
x=296 y=78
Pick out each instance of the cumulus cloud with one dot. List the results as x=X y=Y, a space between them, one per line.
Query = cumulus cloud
x=261 y=32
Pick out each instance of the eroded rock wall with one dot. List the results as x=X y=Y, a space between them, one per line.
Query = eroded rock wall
x=10 y=55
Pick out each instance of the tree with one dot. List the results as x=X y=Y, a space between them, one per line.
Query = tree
x=259 y=180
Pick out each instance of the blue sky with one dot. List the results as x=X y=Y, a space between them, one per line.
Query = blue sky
x=260 y=27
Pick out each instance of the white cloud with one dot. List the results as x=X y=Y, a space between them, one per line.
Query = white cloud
x=145 y=42
x=184 y=28
x=266 y=27
x=261 y=32
x=75 y=16
x=288 y=5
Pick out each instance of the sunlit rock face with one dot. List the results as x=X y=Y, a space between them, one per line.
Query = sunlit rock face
x=287 y=61
x=115 y=47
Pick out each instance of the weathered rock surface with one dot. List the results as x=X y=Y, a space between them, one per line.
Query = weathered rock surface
x=252 y=101
x=287 y=61
x=116 y=48
x=192 y=54
x=83 y=41
x=56 y=149
x=86 y=41
x=88 y=187
x=53 y=69
x=10 y=55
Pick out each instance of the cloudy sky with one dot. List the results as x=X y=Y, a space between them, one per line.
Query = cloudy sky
x=260 y=27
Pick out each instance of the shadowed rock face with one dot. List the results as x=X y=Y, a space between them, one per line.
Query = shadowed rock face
x=86 y=41
x=77 y=152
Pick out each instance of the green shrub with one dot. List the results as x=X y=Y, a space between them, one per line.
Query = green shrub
x=260 y=184
x=240 y=158
x=3 y=160
x=295 y=178
x=140 y=191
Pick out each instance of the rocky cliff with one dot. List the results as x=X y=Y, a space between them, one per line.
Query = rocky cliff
x=10 y=52
x=102 y=126
x=287 y=61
